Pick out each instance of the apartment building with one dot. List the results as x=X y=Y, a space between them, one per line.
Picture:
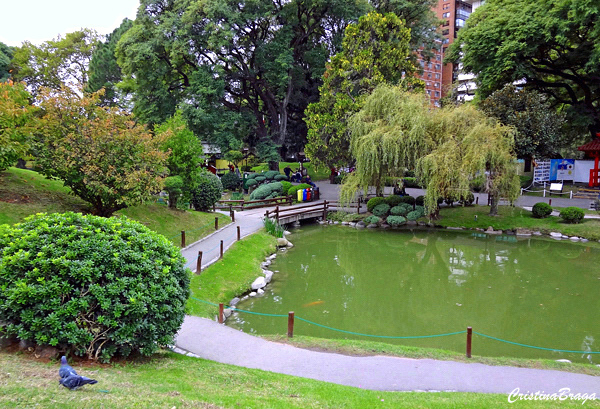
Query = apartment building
x=454 y=14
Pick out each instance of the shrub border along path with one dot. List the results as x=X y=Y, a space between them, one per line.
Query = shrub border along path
x=209 y=340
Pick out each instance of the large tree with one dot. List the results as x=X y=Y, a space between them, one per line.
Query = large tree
x=448 y=147
x=16 y=122
x=100 y=153
x=374 y=51
x=550 y=45
x=538 y=127
x=104 y=72
x=232 y=61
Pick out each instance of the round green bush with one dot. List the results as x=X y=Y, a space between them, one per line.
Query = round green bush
x=93 y=286
x=292 y=191
x=372 y=220
x=395 y=221
x=381 y=210
x=420 y=200
x=374 y=201
x=467 y=199
x=411 y=182
x=268 y=191
x=286 y=186
x=260 y=178
x=393 y=200
x=421 y=210
x=207 y=192
x=270 y=175
x=401 y=210
x=407 y=199
x=413 y=216
x=541 y=210
x=250 y=183
x=279 y=178
x=572 y=214
x=477 y=184
x=230 y=181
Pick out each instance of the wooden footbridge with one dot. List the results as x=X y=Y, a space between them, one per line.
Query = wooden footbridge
x=286 y=215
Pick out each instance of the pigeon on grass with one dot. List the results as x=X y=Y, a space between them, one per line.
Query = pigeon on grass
x=69 y=378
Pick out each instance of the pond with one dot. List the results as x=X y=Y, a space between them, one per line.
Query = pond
x=398 y=283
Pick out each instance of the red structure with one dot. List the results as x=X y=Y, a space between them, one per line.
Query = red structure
x=592 y=149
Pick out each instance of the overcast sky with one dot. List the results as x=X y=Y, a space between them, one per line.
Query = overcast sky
x=42 y=20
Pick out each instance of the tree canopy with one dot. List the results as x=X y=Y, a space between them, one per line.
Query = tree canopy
x=16 y=122
x=104 y=72
x=55 y=63
x=375 y=50
x=6 y=54
x=448 y=147
x=538 y=127
x=550 y=45
x=100 y=153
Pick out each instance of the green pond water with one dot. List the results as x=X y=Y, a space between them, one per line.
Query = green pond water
x=395 y=283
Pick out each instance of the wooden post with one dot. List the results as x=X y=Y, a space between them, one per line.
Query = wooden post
x=290 y=333
x=477 y=200
x=277 y=213
x=358 y=206
x=239 y=236
x=221 y=256
x=550 y=202
x=199 y=263
x=182 y=238
x=469 y=337
x=324 y=210
x=220 y=313
x=216 y=223
x=232 y=215
x=214 y=207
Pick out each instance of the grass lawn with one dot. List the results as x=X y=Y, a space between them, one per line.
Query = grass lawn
x=231 y=276
x=168 y=380
x=510 y=218
x=25 y=192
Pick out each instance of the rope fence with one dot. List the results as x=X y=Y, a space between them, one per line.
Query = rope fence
x=291 y=317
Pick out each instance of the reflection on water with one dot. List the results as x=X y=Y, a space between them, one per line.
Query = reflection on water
x=406 y=283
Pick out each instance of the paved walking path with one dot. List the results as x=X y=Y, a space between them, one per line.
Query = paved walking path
x=209 y=340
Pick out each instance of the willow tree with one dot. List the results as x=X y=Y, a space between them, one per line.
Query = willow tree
x=396 y=130
x=468 y=144
x=388 y=135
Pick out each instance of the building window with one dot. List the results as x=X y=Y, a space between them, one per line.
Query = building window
x=446 y=6
x=445 y=32
x=437 y=85
x=428 y=75
x=437 y=94
x=446 y=15
x=437 y=76
x=446 y=23
x=438 y=67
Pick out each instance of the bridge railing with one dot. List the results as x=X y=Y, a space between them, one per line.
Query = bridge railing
x=242 y=204
x=298 y=210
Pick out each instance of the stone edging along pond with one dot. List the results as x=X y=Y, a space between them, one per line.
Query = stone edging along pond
x=258 y=285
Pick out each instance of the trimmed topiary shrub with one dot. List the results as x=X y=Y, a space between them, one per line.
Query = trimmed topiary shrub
x=420 y=200
x=401 y=210
x=413 y=216
x=374 y=202
x=353 y=217
x=93 y=286
x=372 y=220
x=268 y=191
x=260 y=178
x=381 y=210
x=407 y=199
x=286 y=186
x=411 y=182
x=270 y=174
x=230 y=181
x=207 y=192
x=467 y=199
x=395 y=221
x=393 y=200
x=477 y=184
x=339 y=179
x=279 y=178
x=250 y=183
x=572 y=214
x=292 y=191
x=421 y=210
x=541 y=210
